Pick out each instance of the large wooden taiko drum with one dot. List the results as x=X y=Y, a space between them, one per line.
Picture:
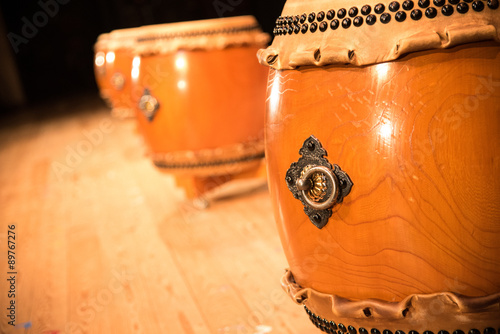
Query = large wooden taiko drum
x=383 y=156
x=201 y=98
x=113 y=63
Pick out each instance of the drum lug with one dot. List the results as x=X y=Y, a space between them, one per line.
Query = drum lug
x=148 y=105
x=316 y=183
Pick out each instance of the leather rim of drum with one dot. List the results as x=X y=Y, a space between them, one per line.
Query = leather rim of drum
x=305 y=39
x=224 y=160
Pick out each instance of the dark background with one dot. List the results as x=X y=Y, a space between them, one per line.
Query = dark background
x=58 y=60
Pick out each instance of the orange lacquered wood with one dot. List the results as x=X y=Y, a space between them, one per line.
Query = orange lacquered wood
x=121 y=98
x=222 y=103
x=419 y=138
x=122 y=64
x=101 y=73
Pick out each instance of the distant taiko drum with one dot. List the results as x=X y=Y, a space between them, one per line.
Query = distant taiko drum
x=113 y=63
x=201 y=96
x=383 y=156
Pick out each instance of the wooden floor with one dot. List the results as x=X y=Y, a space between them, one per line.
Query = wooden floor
x=104 y=243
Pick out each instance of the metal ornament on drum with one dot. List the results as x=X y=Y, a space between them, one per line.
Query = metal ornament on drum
x=383 y=156
x=200 y=99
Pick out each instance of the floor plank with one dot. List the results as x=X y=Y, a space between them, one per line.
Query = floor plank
x=107 y=244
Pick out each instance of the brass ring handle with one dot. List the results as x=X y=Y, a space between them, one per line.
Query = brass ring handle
x=317 y=183
x=149 y=105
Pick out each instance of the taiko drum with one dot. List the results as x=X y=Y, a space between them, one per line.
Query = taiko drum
x=383 y=156
x=201 y=97
x=113 y=62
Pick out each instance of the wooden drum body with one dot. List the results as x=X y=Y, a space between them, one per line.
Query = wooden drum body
x=384 y=165
x=113 y=62
x=202 y=98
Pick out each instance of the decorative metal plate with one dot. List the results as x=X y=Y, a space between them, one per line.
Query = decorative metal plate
x=149 y=105
x=316 y=183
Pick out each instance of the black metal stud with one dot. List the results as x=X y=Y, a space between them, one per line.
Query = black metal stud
x=394 y=6
x=462 y=8
x=366 y=9
x=311 y=17
x=304 y=28
x=314 y=27
x=386 y=331
x=453 y=2
x=330 y=14
x=468 y=1
x=334 y=24
x=296 y=29
x=413 y=332
x=346 y=23
x=431 y=12
x=493 y=4
x=443 y=332
x=439 y=3
x=400 y=16
x=357 y=21
x=400 y=332
x=375 y=331
x=332 y=325
x=447 y=10
x=371 y=19
x=489 y=330
x=363 y=330
x=474 y=331
x=379 y=8
x=385 y=18
x=351 y=330
x=303 y=18
x=341 y=13
x=321 y=16
x=353 y=11
x=296 y=19
x=416 y=14
x=289 y=30
x=408 y=5
x=458 y=331
x=478 y=6
x=428 y=332
x=423 y=3
x=323 y=26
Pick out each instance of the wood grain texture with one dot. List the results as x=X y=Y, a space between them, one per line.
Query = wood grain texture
x=419 y=139
x=107 y=244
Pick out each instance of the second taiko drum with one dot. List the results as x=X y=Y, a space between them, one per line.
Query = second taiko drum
x=200 y=96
